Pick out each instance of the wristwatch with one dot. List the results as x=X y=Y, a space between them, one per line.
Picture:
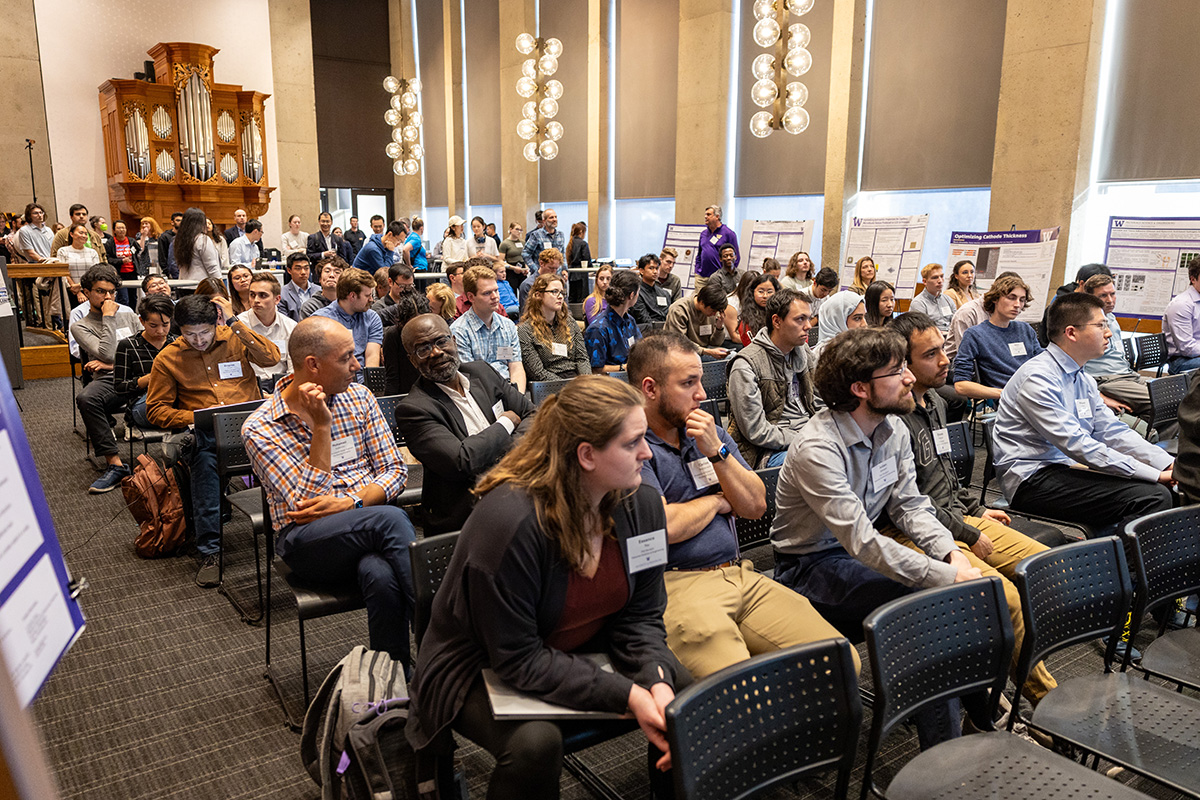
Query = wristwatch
x=357 y=501
x=721 y=455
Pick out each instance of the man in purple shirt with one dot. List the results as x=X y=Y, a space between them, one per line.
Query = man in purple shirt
x=1181 y=324
x=709 y=259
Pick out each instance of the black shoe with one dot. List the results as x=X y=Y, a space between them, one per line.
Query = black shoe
x=209 y=574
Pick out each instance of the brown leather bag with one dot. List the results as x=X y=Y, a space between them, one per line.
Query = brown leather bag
x=156 y=504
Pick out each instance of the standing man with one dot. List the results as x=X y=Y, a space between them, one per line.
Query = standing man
x=79 y=216
x=245 y=248
x=166 y=256
x=542 y=237
x=933 y=302
x=297 y=291
x=355 y=292
x=708 y=258
x=484 y=332
x=328 y=272
x=666 y=278
x=416 y=247
x=34 y=238
x=377 y=224
x=265 y=320
x=354 y=237
x=653 y=300
x=238 y=228
x=325 y=243
x=698 y=319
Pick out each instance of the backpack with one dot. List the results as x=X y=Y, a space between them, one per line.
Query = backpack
x=156 y=504
x=353 y=743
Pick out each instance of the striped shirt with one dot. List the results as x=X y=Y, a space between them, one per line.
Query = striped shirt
x=278 y=443
x=496 y=343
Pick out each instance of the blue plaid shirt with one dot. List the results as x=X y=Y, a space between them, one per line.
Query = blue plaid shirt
x=609 y=338
x=538 y=241
x=497 y=343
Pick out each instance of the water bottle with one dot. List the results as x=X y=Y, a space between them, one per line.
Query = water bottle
x=152 y=247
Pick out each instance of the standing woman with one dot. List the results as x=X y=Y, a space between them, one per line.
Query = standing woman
x=100 y=230
x=219 y=241
x=294 y=239
x=595 y=302
x=864 y=275
x=752 y=316
x=148 y=231
x=539 y=579
x=577 y=248
x=511 y=248
x=552 y=346
x=454 y=246
x=79 y=257
x=481 y=244
x=195 y=251
x=239 y=288
x=880 y=302
x=122 y=255
x=799 y=273
x=962 y=283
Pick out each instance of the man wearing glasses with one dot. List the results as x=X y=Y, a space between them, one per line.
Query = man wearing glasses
x=994 y=349
x=459 y=419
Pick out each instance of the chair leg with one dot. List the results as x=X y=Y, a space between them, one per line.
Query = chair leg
x=304 y=665
x=243 y=612
x=289 y=719
x=591 y=781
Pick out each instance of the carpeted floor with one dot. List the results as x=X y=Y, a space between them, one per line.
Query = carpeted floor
x=163 y=696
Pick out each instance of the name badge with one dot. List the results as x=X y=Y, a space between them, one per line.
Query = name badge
x=705 y=330
x=123 y=333
x=703 y=474
x=1083 y=409
x=230 y=369
x=941 y=441
x=646 y=551
x=629 y=341
x=662 y=301
x=883 y=474
x=498 y=409
x=342 y=450
x=1016 y=349
x=714 y=239
x=558 y=349
x=504 y=353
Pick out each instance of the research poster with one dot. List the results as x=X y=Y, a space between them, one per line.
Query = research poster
x=762 y=239
x=893 y=243
x=1149 y=258
x=686 y=241
x=1030 y=254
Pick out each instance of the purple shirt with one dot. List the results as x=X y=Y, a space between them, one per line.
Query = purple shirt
x=709 y=260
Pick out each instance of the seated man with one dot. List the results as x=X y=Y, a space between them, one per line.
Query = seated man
x=653 y=300
x=380 y=250
x=824 y=285
x=614 y=330
x=355 y=291
x=982 y=534
x=400 y=283
x=97 y=333
x=1181 y=325
x=727 y=276
x=720 y=611
x=330 y=466
x=994 y=349
x=454 y=275
x=208 y=365
x=666 y=278
x=244 y=249
x=135 y=355
x=458 y=420
x=933 y=301
x=1081 y=277
x=1052 y=418
x=265 y=320
x=328 y=272
x=770 y=382
x=698 y=319
x=484 y=332
x=1123 y=389
x=299 y=289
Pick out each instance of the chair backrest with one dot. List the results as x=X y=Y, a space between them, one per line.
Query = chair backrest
x=814 y=336
x=1129 y=355
x=989 y=466
x=962 y=451
x=1165 y=547
x=232 y=458
x=621 y=376
x=543 y=389
x=1165 y=396
x=203 y=418
x=714 y=408
x=714 y=378
x=430 y=557
x=1151 y=351
x=387 y=407
x=766 y=721
x=755 y=532
x=375 y=379
x=576 y=310
x=934 y=645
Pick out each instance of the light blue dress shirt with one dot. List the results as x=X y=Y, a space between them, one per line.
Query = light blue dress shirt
x=1181 y=324
x=243 y=251
x=1113 y=361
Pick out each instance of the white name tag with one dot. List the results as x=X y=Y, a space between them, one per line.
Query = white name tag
x=941 y=441
x=662 y=301
x=1083 y=409
x=647 y=551
x=230 y=369
x=705 y=330
x=504 y=353
x=703 y=474
x=498 y=409
x=714 y=239
x=883 y=474
x=558 y=349
x=1016 y=349
x=123 y=333
x=629 y=341
x=342 y=450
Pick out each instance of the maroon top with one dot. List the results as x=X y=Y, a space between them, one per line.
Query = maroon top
x=590 y=601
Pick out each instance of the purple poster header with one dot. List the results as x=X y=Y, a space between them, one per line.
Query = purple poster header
x=997 y=237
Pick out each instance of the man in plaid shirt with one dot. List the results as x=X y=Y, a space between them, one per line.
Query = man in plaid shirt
x=330 y=466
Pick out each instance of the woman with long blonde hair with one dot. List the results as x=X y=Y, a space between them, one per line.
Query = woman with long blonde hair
x=441 y=301
x=552 y=345
x=539 y=579
x=595 y=302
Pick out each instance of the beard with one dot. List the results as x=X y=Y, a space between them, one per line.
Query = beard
x=443 y=370
x=901 y=406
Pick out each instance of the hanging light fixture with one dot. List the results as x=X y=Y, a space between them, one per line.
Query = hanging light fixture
x=402 y=115
x=775 y=88
x=537 y=125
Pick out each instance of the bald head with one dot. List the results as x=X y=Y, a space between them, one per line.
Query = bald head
x=315 y=336
x=420 y=327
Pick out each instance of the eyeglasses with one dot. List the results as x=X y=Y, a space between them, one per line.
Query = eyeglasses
x=901 y=371
x=425 y=348
x=555 y=292
x=1092 y=325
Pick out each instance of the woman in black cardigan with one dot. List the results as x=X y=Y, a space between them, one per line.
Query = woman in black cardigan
x=542 y=576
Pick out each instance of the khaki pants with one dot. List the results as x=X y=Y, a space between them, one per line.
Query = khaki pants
x=717 y=618
x=699 y=283
x=1010 y=547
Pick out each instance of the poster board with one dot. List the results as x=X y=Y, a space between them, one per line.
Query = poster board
x=1149 y=258
x=893 y=243
x=1030 y=254
x=761 y=239
x=40 y=617
x=686 y=241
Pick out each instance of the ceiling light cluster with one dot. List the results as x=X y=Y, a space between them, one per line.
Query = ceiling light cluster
x=405 y=148
x=774 y=87
x=537 y=126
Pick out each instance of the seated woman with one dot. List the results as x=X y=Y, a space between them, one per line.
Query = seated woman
x=962 y=283
x=441 y=301
x=552 y=346
x=239 y=287
x=864 y=275
x=880 y=302
x=595 y=302
x=752 y=314
x=842 y=311
x=538 y=580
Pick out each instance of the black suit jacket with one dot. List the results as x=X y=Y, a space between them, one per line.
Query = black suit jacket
x=1187 y=460
x=436 y=434
x=316 y=248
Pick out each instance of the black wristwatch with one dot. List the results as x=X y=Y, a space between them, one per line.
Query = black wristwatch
x=721 y=455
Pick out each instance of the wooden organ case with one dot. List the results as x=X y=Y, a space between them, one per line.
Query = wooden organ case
x=183 y=141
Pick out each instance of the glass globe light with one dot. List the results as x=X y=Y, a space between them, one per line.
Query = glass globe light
x=798 y=61
x=554 y=130
x=548 y=149
x=800 y=7
x=554 y=89
x=795 y=119
x=416 y=151
x=415 y=118
x=764 y=9
x=764 y=92
x=798 y=35
x=795 y=94
x=390 y=84
x=531 y=151
x=408 y=100
x=398 y=135
x=526 y=86
x=411 y=166
x=392 y=150
x=527 y=129
x=547 y=65
x=763 y=66
x=529 y=110
x=529 y=68
x=398 y=167
x=549 y=108
x=396 y=103
x=414 y=85
x=526 y=43
x=760 y=124
x=409 y=132
x=766 y=32
x=391 y=116
x=554 y=47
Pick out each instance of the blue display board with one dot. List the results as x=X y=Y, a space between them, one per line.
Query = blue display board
x=39 y=616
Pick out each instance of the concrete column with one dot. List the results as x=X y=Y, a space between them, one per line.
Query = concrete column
x=407 y=188
x=1046 y=118
x=298 y=173
x=845 y=124
x=456 y=168
x=599 y=192
x=518 y=177
x=25 y=117
x=702 y=137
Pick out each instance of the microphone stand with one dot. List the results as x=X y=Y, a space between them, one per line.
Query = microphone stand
x=32 y=182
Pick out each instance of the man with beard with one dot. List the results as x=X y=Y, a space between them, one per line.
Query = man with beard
x=400 y=285
x=458 y=420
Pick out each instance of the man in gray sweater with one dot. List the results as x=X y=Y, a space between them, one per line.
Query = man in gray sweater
x=97 y=332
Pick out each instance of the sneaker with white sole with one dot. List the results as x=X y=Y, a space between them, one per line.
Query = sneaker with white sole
x=209 y=573
x=109 y=479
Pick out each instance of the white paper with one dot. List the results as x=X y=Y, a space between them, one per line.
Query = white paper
x=5 y=303
x=893 y=243
x=20 y=534
x=230 y=369
x=941 y=441
x=1083 y=409
x=35 y=627
x=504 y=353
x=646 y=551
x=777 y=239
x=508 y=703
x=558 y=349
x=1149 y=258
x=686 y=241
x=342 y=450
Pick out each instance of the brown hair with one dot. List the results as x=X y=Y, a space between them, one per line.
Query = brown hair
x=852 y=357
x=1096 y=282
x=548 y=255
x=354 y=280
x=1002 y=286
x=474 y=275
x=537 y=320
x=266 y=277
x=793 y=267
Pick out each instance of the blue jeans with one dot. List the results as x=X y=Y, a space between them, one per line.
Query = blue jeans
x=367 y=544
x=138 y=413
x=776 y=459
x=1178 y=364
x=206 y=493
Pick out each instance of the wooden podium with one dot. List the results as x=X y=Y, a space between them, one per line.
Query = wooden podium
x=41 y=361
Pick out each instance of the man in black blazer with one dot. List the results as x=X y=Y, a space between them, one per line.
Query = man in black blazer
x=458 y=421
x=324 y=243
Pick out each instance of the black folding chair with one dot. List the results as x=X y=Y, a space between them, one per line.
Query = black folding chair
x=753 y=533
x=712 y=408
x=234 y=462
x=1166 y=394
x=766 y=722
x=1130 y=358
x=1151 y=352
x=715 y=378
x=375 y=379
x=540 y=390
x=411 y=495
